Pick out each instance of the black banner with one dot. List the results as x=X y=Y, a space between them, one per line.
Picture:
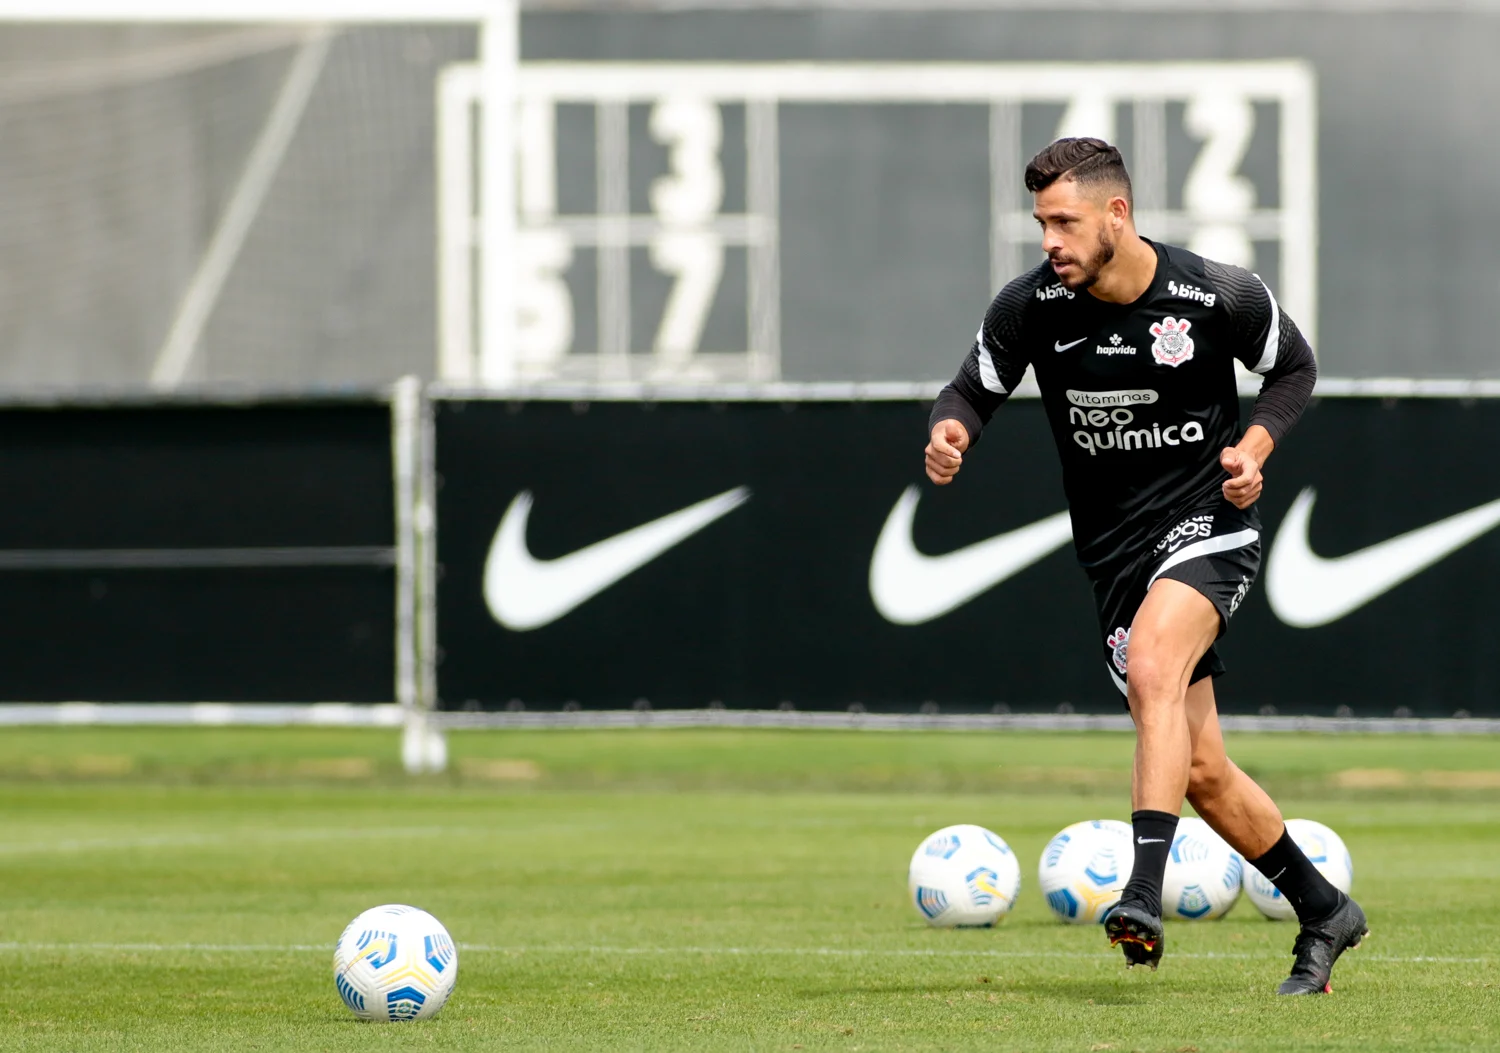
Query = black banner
x=183 y=553
x=690 y=553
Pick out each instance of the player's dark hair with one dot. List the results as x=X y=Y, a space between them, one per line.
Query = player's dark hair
x=1091 y=163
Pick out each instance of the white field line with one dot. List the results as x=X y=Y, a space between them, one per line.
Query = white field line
x=726 y=952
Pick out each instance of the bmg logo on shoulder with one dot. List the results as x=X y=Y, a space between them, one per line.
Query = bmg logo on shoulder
x=1192 y=292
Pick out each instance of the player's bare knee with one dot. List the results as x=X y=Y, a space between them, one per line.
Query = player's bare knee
x=1153 y=682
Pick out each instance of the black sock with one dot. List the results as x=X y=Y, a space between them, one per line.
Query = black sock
x=1287 y=867
x=1153 y=844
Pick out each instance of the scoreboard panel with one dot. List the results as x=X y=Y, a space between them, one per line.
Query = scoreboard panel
x=731 y=222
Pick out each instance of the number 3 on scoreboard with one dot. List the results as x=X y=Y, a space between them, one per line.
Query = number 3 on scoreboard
x=686 y=200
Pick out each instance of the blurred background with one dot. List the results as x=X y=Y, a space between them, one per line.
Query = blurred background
x=638 y=255
x=306 y=154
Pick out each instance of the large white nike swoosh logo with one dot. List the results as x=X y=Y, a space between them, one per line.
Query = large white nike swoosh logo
x=909 y=588
x=1306 y=590
x=523 y=592
x=1056 y=346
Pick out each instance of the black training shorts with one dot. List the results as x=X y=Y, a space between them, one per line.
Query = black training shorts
x=1216 y=550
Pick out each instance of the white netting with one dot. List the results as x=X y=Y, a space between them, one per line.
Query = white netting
x=218 y=203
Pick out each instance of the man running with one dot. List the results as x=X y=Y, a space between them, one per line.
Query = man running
x=1133 y=345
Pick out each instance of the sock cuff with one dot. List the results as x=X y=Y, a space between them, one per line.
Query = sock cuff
x=1151 y=816
x=1282 y=844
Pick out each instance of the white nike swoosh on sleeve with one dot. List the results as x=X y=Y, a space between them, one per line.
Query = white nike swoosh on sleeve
x=523 y=592
x=910 y=588
x=1306 y=590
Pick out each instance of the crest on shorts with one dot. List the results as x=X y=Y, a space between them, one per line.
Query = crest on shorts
x=1173 y=346
x=1118 y=642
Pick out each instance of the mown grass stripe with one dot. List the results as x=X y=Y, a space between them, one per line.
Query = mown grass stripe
x=728 y=952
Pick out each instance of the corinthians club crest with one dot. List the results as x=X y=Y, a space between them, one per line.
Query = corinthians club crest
x=1119 y=643
x=1173 y=346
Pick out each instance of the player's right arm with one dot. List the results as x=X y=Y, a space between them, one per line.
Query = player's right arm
x=990 y=372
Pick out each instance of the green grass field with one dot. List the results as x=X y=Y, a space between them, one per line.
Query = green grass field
x=182 y=889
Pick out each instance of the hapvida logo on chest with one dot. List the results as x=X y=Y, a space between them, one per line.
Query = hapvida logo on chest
x=1116 y=346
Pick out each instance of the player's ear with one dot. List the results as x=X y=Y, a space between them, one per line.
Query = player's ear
x=1119 y=210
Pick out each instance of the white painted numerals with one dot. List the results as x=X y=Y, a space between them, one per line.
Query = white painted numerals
x=1219 y=200
x=696 y=259
x=686 y=200
x=692 y=191
x=544 y=304
x=1088 y=115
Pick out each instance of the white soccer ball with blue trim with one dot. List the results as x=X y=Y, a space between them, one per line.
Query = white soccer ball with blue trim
x=963 y=877
x=1327 y=852
x=1203 y=874
x=1084 y=869
x=395 y=963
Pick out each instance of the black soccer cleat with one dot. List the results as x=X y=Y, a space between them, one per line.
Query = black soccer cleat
x=1319 y=945
x=1136 y=931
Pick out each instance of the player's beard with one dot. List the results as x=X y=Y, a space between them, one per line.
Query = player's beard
x=1092 y=266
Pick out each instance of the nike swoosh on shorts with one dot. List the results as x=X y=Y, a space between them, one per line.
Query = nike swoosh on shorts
x=523 y=592
x=1306 y=590
x=910 y=588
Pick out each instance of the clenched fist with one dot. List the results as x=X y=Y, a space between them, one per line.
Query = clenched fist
x=1243 y=487
x=945 y=453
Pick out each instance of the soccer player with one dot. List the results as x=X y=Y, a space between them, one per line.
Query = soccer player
x=1133 y=345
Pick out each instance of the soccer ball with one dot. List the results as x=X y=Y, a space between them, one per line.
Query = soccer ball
x=963 y=877
x=1203 y=873
x=1326 y=851
x=395 y=963
x=1084 y=868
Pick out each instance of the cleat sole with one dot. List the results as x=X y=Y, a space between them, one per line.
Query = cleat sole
x=1138 y=949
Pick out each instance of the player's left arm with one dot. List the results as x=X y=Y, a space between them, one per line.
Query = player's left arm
x=1268 y=342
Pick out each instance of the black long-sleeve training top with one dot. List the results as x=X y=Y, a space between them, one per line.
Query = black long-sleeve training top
x=1141 y=397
